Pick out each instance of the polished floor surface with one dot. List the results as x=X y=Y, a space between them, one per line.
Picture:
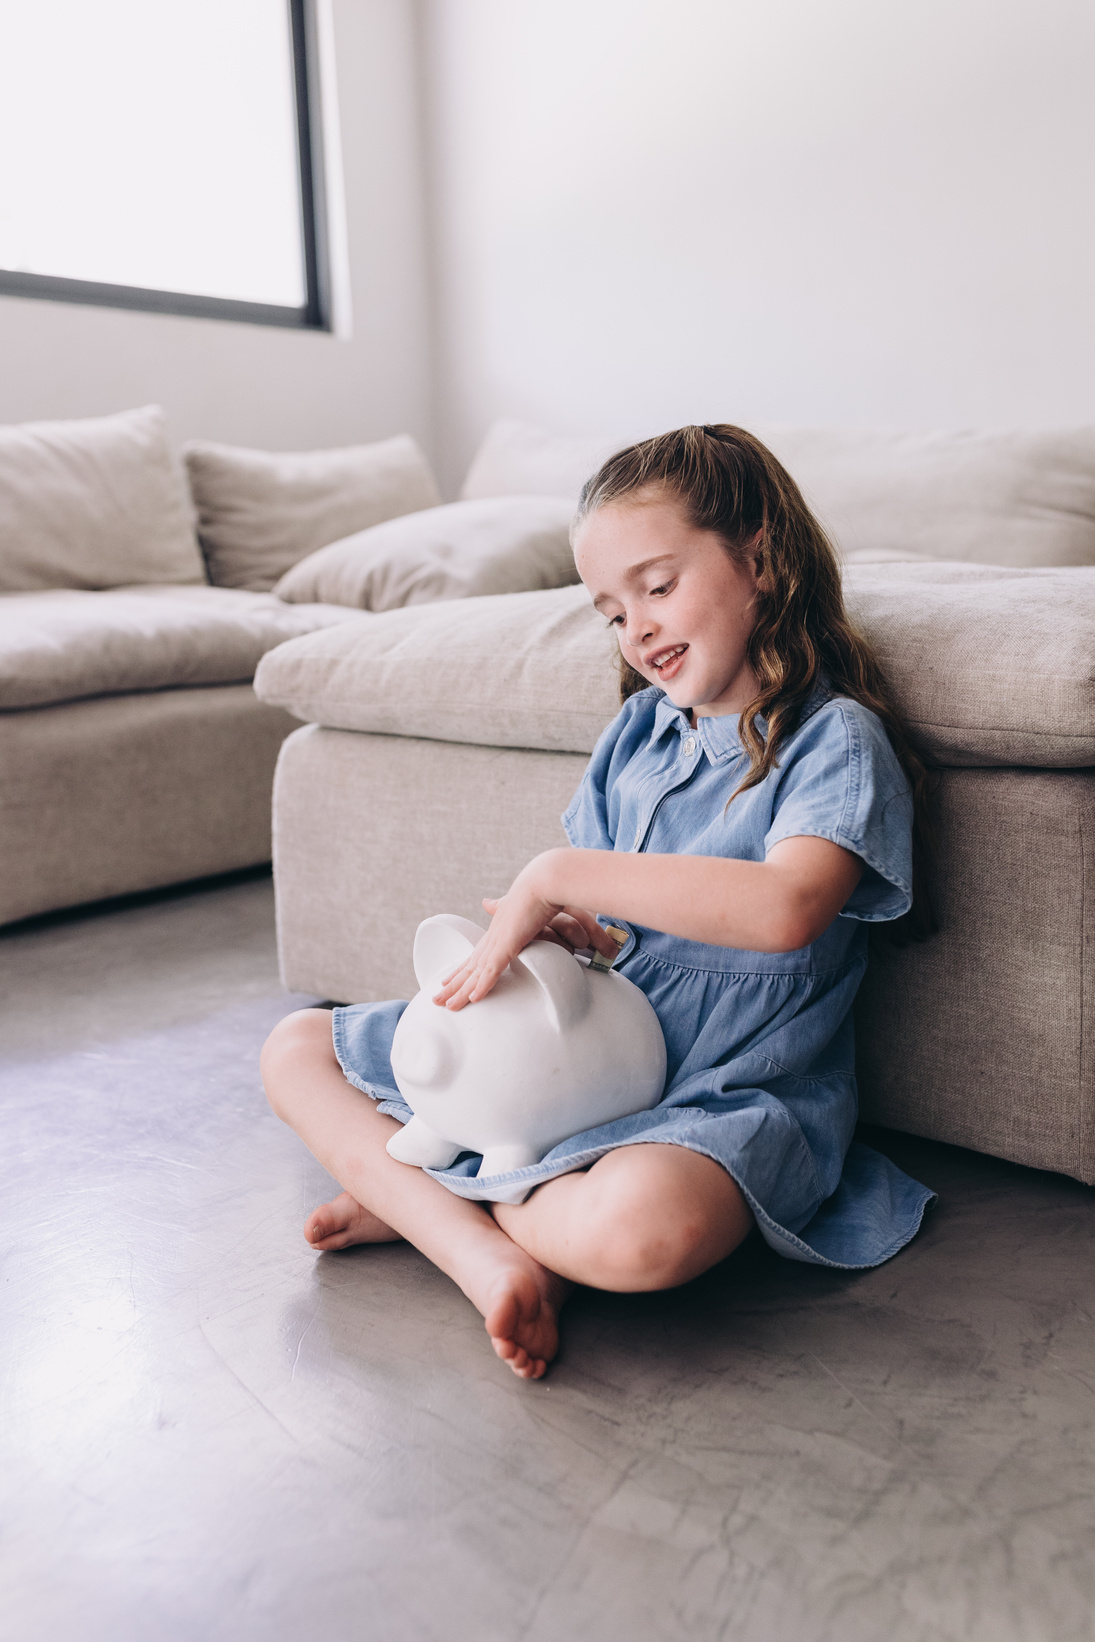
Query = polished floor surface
x=209 y=1432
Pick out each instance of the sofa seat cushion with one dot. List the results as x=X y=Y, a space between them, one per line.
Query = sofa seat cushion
x=63 y=645
x=509 y=670
x=991 y=666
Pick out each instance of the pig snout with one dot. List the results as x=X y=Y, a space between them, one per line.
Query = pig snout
x=424 y=1058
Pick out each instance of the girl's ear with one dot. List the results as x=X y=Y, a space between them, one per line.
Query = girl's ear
x=441 y=944
x=564 y=981
x=757 y=546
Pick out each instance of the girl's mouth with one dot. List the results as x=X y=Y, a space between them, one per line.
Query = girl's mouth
x=667 y=662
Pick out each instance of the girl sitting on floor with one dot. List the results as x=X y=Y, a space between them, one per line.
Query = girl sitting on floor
x=749 y=811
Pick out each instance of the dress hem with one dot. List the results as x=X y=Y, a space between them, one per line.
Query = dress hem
x=515 y=1186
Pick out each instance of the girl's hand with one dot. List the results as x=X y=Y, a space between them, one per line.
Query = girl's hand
x=574 y=928
x=526 y=913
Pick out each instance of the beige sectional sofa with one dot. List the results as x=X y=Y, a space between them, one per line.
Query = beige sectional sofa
x=444 y=742
x=133 y=750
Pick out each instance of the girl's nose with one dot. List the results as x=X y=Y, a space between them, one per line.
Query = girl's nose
x=638 y=630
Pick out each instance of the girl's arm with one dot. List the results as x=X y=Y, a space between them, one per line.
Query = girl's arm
x=777 y=905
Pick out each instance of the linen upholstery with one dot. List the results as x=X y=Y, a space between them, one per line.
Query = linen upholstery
x=261 y=511
x=517 y=670
x=981 y=1036
x=374 y=833
x=984 y=1035
x=58 y=646
x=127 y=793
x=991 y=666
x=94 y=503
x=1010 y=498
x=519 y=459
x=507 y=544
x=1013 y=497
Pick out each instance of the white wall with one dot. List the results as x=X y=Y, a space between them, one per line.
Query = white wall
x=256 y=385
x=656 y=211
x=643 y=212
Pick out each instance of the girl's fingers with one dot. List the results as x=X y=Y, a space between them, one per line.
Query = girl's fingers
x=571 y=931
x=596 y=937
x=472 y=981
x=452 y=983
x=556 y=937
x=517 y=921
x=457 y=992
x=573 y=927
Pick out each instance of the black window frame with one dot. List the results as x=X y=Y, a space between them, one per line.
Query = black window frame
x=315 y=313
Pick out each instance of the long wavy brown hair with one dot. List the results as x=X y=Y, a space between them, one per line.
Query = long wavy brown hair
x=729 y=483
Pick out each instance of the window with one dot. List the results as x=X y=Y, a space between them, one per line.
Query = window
x=163 y=154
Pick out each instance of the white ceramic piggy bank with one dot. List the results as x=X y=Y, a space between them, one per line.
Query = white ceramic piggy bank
x=557 y=1047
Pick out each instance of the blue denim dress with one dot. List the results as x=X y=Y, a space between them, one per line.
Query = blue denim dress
x=760 y=1045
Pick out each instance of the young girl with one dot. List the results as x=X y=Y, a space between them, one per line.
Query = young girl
x=744 y=817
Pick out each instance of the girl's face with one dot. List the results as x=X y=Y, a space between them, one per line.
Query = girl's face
x=682 y=608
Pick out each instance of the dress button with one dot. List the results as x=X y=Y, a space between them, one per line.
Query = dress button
x=689 y=745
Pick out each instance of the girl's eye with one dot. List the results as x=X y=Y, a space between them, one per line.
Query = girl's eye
x=657 y=592
x=614 y=621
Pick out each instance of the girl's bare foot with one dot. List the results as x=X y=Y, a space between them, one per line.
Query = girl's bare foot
x=343 y=1221
x=521 y=1306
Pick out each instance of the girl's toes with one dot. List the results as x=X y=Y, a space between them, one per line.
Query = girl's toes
x=326 y=1227
x=513 y=1354
x=524 y=1366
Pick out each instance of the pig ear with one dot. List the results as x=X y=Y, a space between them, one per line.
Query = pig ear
x=563 y=979
x=440 y=945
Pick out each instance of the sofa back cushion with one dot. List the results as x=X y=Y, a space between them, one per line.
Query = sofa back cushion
x=94 y=504
x=990 y=666
x=502 y=544
x=1011 y=498
x=1008 y=498
x=517 y=459
x=260 y=512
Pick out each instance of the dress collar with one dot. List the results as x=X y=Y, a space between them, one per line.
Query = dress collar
x=719 y=735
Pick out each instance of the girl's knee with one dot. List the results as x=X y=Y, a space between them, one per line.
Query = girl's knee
x=294 y=1043
x=646 y=1244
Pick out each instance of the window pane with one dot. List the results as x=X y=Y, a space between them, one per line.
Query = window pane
x=151 y=143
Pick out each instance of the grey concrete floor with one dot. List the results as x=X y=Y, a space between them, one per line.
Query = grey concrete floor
x=209 y=1432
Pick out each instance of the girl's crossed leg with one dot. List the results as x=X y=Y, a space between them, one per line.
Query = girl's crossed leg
x=643 y=1217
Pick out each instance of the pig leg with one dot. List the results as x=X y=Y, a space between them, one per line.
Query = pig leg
x=501 y=1159
x=417 y=1143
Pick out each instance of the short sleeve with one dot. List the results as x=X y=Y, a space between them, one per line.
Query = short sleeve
x=843 y=781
